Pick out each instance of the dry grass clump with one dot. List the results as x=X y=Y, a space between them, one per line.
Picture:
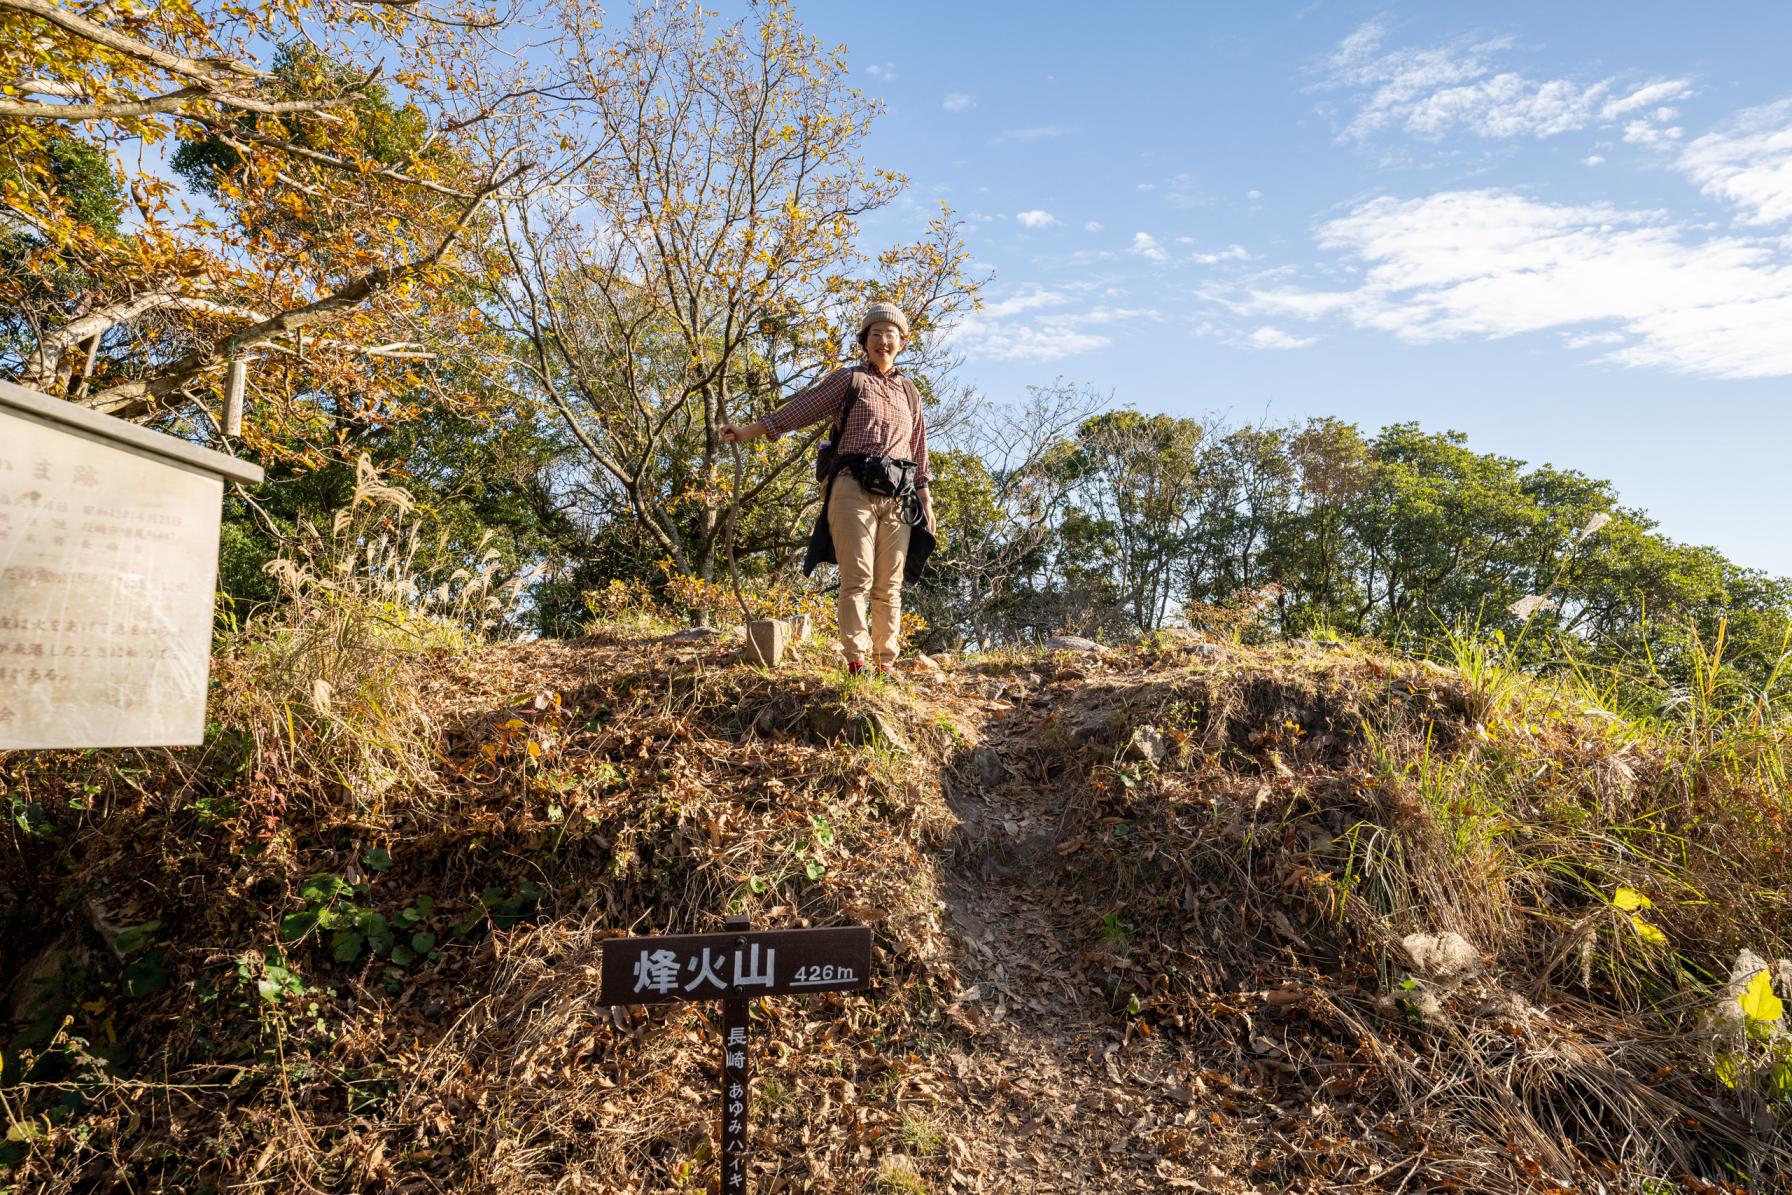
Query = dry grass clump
x=314 y=692
x=1309 y=816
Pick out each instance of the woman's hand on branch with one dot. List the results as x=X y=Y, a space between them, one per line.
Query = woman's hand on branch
x=740 y=433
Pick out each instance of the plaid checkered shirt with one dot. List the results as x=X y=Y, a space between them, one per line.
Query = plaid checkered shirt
x=882 y=423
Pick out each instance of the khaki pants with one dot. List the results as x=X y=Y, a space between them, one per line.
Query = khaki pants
x=871 y=544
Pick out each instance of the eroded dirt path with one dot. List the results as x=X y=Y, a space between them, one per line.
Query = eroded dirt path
x=1059 y=1094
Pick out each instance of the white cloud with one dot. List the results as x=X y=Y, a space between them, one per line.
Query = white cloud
x=1587 y=340
x=1253 y=196
x=1114 y=315
x=1030 y=343
x=1016 y=304
x=1642 y=132
x=1594 y=159
x=1748 y=163
x=1670 y=89
x=1027 y=136
x=1494 y=264
x=885 y=71
x=957 y=101
x=1183 y=192
x=1433 y=92
x=1093 y=226
x=1267 y=337
x=1036 y=218
x=1229 y=253
x=1146 y=246
x=993 y=332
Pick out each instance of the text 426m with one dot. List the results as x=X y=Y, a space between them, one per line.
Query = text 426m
x=824 y=974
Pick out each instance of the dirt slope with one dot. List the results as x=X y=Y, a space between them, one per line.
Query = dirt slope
x=1139 y=927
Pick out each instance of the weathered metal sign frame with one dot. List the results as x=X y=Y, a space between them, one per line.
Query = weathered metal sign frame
x=108 y=571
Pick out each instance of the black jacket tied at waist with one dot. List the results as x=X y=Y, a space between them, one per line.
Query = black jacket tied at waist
x=882 y=477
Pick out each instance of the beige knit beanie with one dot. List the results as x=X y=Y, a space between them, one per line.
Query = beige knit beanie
x=883 y=313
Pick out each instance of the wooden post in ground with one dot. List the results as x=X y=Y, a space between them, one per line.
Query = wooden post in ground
x=735 y=1089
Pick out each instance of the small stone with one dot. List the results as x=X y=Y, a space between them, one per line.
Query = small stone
x=987 y=768
x=801 y=627
x=1090 y=725
x=1147 y=745
x=692 y=635
x=1074 y=643
x=767 y=640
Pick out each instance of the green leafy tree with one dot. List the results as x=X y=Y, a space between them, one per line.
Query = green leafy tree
x=1250 y=493
x=1140 y=486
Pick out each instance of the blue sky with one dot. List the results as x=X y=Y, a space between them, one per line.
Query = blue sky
x=1563 y=230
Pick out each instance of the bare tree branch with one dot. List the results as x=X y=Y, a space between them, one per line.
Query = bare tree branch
x=138 y=398
x=42 y=367
x=174 y=101
x=203 y=70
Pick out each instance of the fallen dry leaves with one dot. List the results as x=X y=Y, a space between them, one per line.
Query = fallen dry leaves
x=1095 y=971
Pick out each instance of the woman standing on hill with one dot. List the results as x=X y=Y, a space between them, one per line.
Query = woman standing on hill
x=876 y=512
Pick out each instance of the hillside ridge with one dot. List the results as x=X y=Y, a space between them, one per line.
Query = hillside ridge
x=1190 y=915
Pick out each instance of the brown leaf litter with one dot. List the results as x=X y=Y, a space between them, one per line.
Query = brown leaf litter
x=1107 y=960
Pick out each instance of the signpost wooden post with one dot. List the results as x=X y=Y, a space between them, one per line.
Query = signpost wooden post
x=732 y=1161
x=735 y=967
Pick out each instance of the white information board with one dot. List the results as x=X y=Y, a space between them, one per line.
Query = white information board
x=108 y=565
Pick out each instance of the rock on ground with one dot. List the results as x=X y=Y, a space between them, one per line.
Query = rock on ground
x=1074 y=643
x=1147 y=745
x=987 y=768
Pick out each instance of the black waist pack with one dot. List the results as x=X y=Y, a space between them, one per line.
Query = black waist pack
x=881 y=476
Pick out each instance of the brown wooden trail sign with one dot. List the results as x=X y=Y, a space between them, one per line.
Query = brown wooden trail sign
x=735 y=967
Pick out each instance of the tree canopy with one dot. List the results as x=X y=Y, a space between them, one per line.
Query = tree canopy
x=532 y=285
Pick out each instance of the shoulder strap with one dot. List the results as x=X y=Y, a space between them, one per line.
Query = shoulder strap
x=856 y=383
x=914 y=398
